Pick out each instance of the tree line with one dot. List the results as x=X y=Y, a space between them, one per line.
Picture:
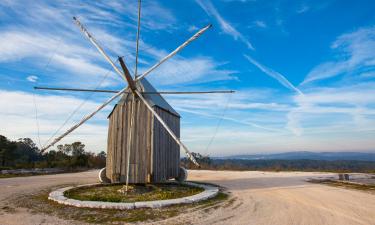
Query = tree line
x=339 y=166
x=24 y=154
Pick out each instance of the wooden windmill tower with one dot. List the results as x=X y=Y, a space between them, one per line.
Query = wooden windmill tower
x=144 y=130
x=154 y=155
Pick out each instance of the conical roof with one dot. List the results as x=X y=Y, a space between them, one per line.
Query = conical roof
x=152 y=99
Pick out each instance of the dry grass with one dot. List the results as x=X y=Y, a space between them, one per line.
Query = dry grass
x=149 y=192
x=370 y=188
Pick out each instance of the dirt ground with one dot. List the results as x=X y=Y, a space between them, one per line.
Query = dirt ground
x=259 y=198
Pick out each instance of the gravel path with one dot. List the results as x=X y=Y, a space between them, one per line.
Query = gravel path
x=259 y=198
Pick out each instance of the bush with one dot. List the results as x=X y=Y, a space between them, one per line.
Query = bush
x=24 y=154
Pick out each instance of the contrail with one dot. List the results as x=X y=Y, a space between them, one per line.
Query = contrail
x=276 y=75
x=225 y=26
x=229 y=119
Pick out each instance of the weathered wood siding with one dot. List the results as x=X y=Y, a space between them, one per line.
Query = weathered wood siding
x=118 y=135
x=154 y=155
x=166 y=152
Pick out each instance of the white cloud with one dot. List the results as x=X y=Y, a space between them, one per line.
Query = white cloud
x=17 y=118
x=260 y=23
x=354 y=54
x=32 y=78
x=192 y=28
x=56 y=41
x=348 y=105
x=61 y=54
x=294 y=118
x=179 y=70
x=368 y=75
x=242 y=1
x=303 y=9
x=354 y=51
x=225 y=26
x=154 y=15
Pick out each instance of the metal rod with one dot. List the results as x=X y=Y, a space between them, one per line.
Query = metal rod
x=84 y=119
x=188 y=92
x=191 y=157
x=100 y=49
x=147 y=92
x=179 y=48
x=137 y=45
x=74 y=89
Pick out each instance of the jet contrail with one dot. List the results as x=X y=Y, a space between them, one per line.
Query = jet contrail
x=276 y=75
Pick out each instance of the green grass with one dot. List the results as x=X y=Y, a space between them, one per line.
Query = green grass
x=149 y=192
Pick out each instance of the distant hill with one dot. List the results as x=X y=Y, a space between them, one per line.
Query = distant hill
x=330 y=156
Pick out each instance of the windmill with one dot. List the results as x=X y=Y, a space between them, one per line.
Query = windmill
x=144 y=130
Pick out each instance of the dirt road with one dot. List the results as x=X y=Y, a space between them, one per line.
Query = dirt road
x=260 y=198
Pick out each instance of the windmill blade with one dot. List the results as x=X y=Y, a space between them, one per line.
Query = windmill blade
x=100 y=49
x=179 y=48
x=83 y=120
x=191 y=157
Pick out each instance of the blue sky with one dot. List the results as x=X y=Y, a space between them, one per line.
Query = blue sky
x=304 y=71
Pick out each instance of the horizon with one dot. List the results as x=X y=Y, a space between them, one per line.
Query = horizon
x=303 y=71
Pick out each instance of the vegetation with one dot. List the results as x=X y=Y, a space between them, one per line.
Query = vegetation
x=280 y=165
x=149 y=192
x=344 y=184
x=24 y=154
x=39 y=203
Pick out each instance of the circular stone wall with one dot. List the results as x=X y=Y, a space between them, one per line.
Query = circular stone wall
x=58 y=196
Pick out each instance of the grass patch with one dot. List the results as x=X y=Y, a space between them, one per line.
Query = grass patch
x=148 y=192
x=39 y=204
x=24 y=175
x=11 y=175
x=363 y=187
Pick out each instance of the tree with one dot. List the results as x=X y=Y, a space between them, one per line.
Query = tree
x=79 y=158
x=7 y=151
x=66 y=149
x=24 y=153
x=27 y=151
x=77 y=149
x=203 y=161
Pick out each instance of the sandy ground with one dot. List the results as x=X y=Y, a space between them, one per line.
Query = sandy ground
x=260 y=198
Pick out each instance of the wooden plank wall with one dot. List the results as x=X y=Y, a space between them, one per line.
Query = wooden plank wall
x=118 y=135
x=166 y=152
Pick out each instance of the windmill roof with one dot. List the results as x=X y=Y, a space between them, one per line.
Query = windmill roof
x=152 y=99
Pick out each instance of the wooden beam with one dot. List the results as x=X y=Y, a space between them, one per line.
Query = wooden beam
x=128 y=77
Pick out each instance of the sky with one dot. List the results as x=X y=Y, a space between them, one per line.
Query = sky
x=303 y=71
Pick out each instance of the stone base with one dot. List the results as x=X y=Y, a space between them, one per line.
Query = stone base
x=58 y=196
